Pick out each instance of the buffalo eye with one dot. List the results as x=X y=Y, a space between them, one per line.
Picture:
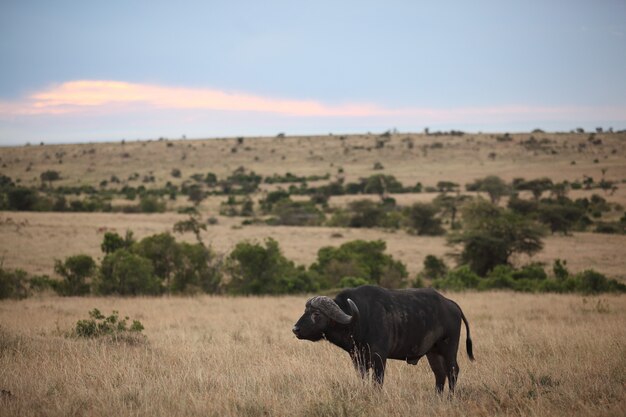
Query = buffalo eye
x=315 y=316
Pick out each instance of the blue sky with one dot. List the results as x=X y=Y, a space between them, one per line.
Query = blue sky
x=85 y=71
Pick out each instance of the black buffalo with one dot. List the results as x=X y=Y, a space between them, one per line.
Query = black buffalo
x=374 y=324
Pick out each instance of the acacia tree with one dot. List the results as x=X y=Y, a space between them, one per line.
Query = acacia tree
x=491 y=235
x=494 y=186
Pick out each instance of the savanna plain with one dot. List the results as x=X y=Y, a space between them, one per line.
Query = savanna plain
x=536 y=354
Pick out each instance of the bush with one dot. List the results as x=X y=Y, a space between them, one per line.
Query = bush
x=593 y=282
x=13 y=284
x=351 y=282
x=199 y=270
x=359 y=259
x=434 y=267
x=75 y=271
x=422 y=221
x=98 y=326
x=296 y=213
x=366 y=213
x=22 y=199
x=256 y=269
x=382 y=184
x=493 y=185
x=125 y=273
x=112 y=242
x=273 y=197
x=50 y=176
x=162 y=251
x=492 y=235
x=559 y=217
x=459 y=279
x=151 y=204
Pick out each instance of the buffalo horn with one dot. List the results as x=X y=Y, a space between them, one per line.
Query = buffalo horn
x=331 y=309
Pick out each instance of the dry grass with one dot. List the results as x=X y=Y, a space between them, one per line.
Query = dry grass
x=543 y=355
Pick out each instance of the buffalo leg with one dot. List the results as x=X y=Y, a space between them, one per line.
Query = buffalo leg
x=361 y=364
x=378 y=363
x=437 y=364
x=449 y=349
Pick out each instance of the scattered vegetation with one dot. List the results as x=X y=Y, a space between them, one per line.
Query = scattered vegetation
x=98 y=325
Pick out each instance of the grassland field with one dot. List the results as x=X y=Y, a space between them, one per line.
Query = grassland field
x=537 y=354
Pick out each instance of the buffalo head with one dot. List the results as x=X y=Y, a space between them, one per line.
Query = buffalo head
x=320 y=313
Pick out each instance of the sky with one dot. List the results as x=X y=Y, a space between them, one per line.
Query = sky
x=83 y=71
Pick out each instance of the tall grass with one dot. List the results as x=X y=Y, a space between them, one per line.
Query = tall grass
x=540 y=355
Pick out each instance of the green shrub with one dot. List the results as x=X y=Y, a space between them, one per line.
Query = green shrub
x=493 y=185
x=22 y=199
x=256 y=269
x=98 y=326
x=491 y=235
x=199 y=270
x=560 y=217
x=382 y=184
x=458 y=279
x=366 y=213
x=75 y=271
x=151 y=204
x=125 y=273
x=163 y=253
x=434 y=267
x=422 y=221
x=593 y=282
x=112 y=241
x=351 y=282
x=296 y=213
x=359 y=259
x=13 y=284
x=610 y=228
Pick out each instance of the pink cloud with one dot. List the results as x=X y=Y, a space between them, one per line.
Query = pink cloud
x=79 y=96
x=103 y=96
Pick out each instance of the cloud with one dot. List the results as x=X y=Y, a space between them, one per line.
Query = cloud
x=90 y=95
x=102 y=97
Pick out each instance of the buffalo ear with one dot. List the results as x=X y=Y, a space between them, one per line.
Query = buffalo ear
x=355 y=311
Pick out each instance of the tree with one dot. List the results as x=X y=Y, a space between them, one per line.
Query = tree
x=434 y=267
x=422 y=221
x=22 y=199
x=196 y=194
x=13 y=284
x=382 y=185
x=75 y=271
x=493 y=185
x=125 y=273
x=449 y=205
x=491 y=235
x=256 y=269
x=366 y=213
x=560 y=217
x=536 y=187
x=163 y=252
x=199 y=269
x=297 y=213
x=50 y=176
x=359 y=259
x=193 y=224
x=112 y=242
